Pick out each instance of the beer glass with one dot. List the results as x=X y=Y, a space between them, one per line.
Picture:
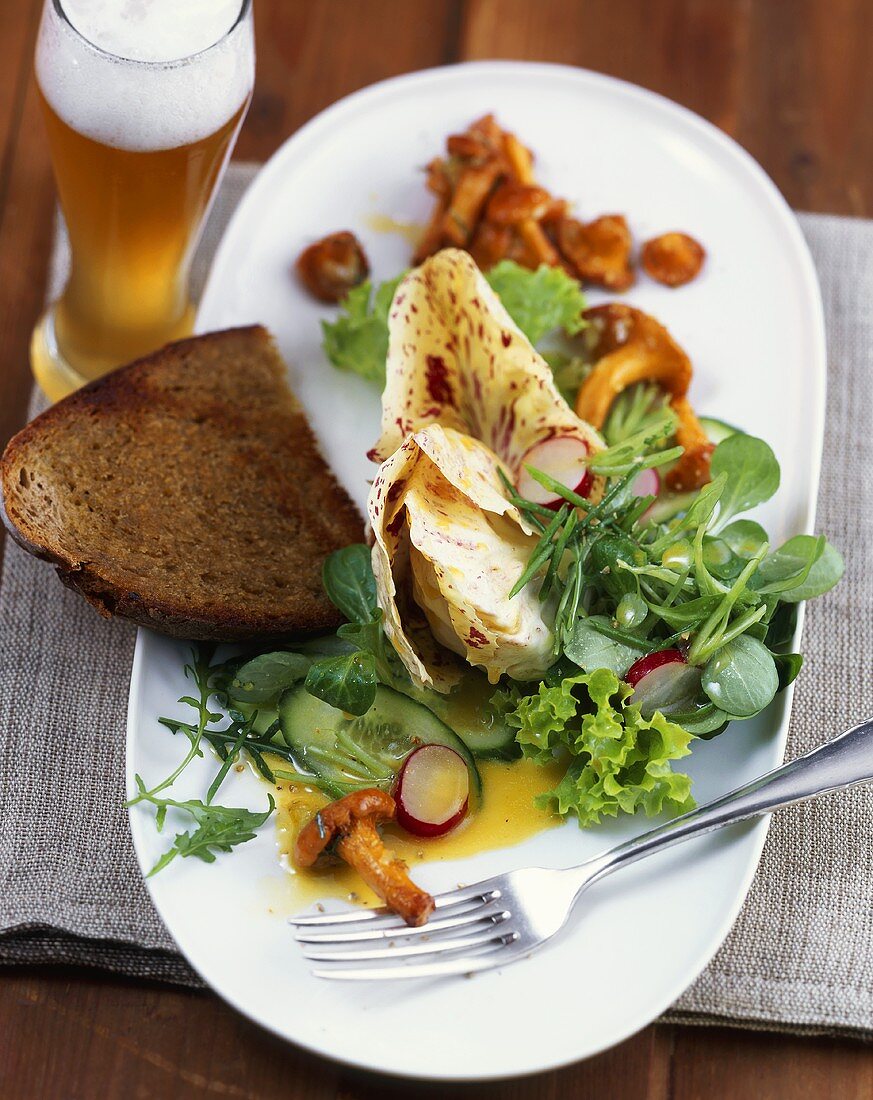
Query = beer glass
x=143 y=103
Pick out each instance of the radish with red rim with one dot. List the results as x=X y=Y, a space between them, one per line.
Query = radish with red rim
x=564 y=458
x=647 y=483
x=663 y=681
x=432 y=792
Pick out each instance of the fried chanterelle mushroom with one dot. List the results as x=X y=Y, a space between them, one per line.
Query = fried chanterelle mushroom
x=630 y=347
x=333 y=266
x=488 y=202
x=348 y=828
x=673 y=259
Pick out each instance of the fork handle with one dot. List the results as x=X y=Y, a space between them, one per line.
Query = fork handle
x=833 y=766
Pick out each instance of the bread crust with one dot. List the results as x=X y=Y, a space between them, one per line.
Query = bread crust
x=223 y=402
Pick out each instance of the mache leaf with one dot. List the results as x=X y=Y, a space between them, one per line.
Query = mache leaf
x=751 y=474
x=591 y=649
x=347 y=576
x=741 y=678
x=265 y=676
x=347 y=683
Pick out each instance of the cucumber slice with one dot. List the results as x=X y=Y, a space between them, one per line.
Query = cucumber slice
x=467 y=710
x=344 y=753
x=717 y=430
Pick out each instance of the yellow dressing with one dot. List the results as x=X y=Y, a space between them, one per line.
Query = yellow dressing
x=506 y=815
x=383 y=223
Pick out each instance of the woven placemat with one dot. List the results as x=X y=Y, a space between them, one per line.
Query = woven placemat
x=800 y=956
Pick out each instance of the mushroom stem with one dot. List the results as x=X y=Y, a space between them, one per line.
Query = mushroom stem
x=349 y=824
x=384 y=874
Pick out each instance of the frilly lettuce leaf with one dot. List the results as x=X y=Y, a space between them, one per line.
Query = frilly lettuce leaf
x=619 y=761
x=358 y=339
x=538 y=301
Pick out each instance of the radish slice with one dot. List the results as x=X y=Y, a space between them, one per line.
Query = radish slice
x=663 y=681
x=646 y=484
x=433 y=791
x=563 y=457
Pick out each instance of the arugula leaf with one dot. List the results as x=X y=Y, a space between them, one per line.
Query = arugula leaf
x=752 y=474
x=741 y=679
x=620 y=761
x=358 y=340
x=347 y=683
x=219 y=828
x=539 y=301
x=265 y=676
x=200 y=671
x=347 y=576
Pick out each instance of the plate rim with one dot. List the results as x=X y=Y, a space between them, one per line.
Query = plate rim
x=365 y=97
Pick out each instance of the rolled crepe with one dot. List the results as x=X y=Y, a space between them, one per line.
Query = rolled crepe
x=466 y=396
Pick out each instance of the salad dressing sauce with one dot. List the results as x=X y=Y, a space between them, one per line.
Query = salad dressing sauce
x=506 y=816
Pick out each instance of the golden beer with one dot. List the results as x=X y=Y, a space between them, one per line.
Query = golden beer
x=133 y=199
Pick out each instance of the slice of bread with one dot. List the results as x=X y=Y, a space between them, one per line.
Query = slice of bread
x=185 y=492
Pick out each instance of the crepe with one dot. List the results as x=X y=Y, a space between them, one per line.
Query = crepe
x=457 y=358
x=466 y=397
x=449 y=547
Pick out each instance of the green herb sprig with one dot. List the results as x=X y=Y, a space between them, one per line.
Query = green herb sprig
x=704 y=579
x=217 y=828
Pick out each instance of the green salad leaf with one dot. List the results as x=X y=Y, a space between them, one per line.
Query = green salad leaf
x=347 y=683
x=267 y=675
x=700 y=580
x=358 y=339
x=741 y=679
x=751 y=474
x=539 y=301
x=619 y=762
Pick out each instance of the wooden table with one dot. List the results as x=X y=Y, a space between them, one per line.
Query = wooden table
x=793 y=81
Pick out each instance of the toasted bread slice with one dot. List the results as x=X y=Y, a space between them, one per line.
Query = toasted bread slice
x=185 y=492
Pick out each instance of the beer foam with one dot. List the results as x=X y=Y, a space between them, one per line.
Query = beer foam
x=145 y=74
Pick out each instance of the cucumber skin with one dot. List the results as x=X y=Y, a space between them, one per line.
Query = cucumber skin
x=438 y=733
x=717 y=430
x=497 y=745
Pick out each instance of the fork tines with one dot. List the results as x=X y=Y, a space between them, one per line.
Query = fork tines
x=469 y=928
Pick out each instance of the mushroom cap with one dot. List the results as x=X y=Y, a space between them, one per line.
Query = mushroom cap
x=338 y=819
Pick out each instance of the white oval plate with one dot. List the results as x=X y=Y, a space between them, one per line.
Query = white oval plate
x=753 y=325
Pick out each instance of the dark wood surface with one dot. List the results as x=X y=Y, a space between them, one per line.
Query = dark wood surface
x=792 y=80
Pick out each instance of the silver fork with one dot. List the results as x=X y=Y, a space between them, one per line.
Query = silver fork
x=508 y=917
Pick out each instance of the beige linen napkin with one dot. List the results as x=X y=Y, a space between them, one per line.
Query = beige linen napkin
x=800 y=956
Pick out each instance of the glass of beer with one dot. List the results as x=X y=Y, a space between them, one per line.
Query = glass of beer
x=143 y=101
